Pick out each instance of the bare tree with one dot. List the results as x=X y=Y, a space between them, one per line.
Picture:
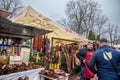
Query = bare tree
x=113 y=32
x=100 y=25
x=116 y=35
x=76 y=11
x=63 y=22
x=89 y=20
x=110 y=33
x=117 y=41
x=12 y=6
x=81 y=15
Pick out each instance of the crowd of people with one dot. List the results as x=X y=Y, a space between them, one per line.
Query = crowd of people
x=101 y=60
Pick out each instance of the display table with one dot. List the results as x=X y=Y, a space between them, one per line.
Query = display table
x=32 y=74
x=66 y=77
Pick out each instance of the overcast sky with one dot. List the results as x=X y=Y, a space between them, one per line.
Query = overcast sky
x=55 y=9
x=111 y=9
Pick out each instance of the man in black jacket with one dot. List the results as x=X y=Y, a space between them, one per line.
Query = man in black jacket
x=81 y=56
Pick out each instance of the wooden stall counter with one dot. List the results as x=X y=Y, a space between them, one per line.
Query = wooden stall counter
x=66 y=77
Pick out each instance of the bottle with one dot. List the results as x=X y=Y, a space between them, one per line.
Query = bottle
x=55 y=66
x=58 y=66
x=13 y=50
x=50 y=66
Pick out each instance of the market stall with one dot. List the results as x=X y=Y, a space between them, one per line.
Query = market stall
x=14 y=62
x=31 y=17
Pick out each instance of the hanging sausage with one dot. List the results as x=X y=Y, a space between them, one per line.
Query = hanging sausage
x=46 y=46
x=37 y=42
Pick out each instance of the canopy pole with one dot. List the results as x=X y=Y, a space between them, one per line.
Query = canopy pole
x=52 y=44
x=31 y=49
x=44 y=45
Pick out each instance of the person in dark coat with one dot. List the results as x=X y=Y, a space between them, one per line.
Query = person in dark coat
x=104 y=68
x=81 y=56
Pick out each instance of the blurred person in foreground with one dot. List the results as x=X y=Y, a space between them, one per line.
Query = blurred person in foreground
x=84 y=55
x=106 y=61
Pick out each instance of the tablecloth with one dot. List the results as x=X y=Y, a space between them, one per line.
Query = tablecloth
x=32 y=74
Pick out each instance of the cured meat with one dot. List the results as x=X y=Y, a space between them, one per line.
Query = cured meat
x=59 y=58
x=26 y=78
x=71 y=59
x=57 y=54
x=73 y=62
x=37 y=42
x=77 y=61
x=7 y=69
x=34 y=42
x=57 y=50
x=70 y=56
x=20 y=78
x=46 y=46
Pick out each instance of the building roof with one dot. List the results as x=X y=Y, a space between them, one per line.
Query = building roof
x=10 y=29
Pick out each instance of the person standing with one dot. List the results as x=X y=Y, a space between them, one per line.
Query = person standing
x=84 y=55
x=106 y=61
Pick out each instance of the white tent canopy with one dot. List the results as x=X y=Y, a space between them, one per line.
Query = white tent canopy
x=31 y=17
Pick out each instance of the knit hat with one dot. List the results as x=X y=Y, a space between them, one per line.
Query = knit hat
x=103 y=40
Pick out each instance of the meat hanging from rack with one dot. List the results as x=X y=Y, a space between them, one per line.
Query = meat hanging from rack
x=68 y=58
x=57 y=55
x=70 y=55
x=34 y=42
x=37 y=42
x=46 y=46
